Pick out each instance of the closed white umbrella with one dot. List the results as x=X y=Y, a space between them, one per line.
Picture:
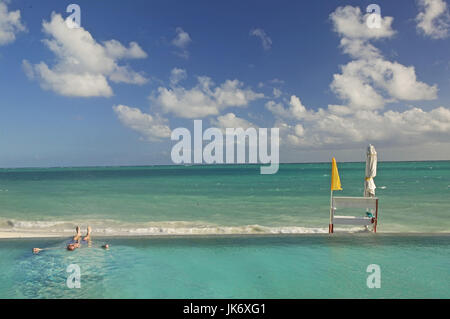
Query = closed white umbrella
x=371 y=172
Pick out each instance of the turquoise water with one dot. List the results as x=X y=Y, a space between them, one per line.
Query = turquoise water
x=304 y=266
x=170 y=200
x=414 y=197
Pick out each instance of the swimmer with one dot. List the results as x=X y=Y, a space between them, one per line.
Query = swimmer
x=76 y=242
x=73 y=246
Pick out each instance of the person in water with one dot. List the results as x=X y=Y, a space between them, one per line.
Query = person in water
x=77 y=240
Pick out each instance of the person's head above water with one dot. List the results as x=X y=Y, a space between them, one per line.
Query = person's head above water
x=73 y=246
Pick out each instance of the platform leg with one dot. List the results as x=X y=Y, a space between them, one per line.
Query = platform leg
x=376 y=217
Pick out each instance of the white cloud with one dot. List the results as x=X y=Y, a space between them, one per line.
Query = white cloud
x=358 y=48
x=71 y=83
x=367 y=85
x=266 y=41
x=357 y=92
x=153 y=128
x=10 y=24
x=296 y=110
x=337 y=125
x=204 y=99
x=277 y=92
x=182 y=41
x=230 y=120
x=123 y=74
x=116 y=50
x=27 y=67
x=349 y=22
x=83 y=66
x=370 y=81
x=433 y=19
x=177 y=75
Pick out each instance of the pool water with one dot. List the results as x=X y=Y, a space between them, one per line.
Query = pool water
x=300 y=266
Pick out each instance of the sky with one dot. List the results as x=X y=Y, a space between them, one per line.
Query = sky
x=112 y=91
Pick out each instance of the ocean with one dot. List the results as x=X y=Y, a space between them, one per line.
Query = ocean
x=271 y=242
x=414 y=197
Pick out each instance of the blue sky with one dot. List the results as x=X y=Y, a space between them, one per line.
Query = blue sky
x=268 y=64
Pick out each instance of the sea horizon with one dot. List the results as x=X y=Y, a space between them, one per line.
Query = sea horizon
x=214 y=164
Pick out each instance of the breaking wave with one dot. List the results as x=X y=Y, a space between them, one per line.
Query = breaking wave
x=116 y=228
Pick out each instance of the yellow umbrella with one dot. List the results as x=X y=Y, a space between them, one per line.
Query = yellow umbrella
x=335 y=186
x=335 y=180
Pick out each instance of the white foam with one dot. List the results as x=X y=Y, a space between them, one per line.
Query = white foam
x=112 y=228
x=33 y=224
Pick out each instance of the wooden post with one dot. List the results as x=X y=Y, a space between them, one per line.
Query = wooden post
x=330 y=226
x=376 y=217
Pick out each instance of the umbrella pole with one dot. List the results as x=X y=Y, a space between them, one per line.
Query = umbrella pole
x=330 y=226
x=376 y=218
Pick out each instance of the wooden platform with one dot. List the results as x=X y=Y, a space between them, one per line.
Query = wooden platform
x=352 y=220
x=367 y=203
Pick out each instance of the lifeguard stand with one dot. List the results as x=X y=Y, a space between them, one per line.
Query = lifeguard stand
x=369 y=203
